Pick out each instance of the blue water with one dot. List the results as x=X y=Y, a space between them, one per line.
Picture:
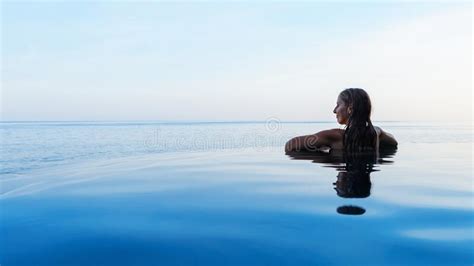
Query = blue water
x=116 y=193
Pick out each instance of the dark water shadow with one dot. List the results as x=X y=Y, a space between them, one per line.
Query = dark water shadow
x=353 y=172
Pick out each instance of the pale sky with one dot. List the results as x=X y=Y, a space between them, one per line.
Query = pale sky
x=233 y=61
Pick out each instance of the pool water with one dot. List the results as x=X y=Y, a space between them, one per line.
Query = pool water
x=226 y=194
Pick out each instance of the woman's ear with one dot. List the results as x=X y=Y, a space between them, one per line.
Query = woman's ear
x=349 y=109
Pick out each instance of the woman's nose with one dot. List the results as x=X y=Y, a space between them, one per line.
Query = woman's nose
x=334 y=111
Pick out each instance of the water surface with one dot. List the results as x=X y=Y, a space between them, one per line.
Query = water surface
x=226 y=194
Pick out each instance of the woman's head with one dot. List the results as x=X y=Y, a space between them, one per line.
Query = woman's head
x=353 y=106
x=353 y=109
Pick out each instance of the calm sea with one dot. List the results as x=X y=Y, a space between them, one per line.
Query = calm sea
x=156 y=193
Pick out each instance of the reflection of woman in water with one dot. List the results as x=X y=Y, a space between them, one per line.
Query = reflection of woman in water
x=353 y=185
x=354 y=180
x=353 y=109
x=354 y=169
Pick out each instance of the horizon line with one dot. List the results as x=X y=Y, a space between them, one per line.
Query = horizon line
x=272 y=119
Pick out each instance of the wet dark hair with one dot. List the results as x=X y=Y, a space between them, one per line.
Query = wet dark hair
x=360 y=134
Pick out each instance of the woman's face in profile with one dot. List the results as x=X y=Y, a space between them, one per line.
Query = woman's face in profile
x=341 y=111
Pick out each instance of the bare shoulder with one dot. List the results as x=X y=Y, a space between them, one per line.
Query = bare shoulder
x=332 y=138
x=385 y=138
x=378 y=130
x=331 y=134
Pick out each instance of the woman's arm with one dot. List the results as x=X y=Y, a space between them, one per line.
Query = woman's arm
x=313 y=142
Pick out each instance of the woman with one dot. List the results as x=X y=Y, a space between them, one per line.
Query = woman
x=353 y=110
